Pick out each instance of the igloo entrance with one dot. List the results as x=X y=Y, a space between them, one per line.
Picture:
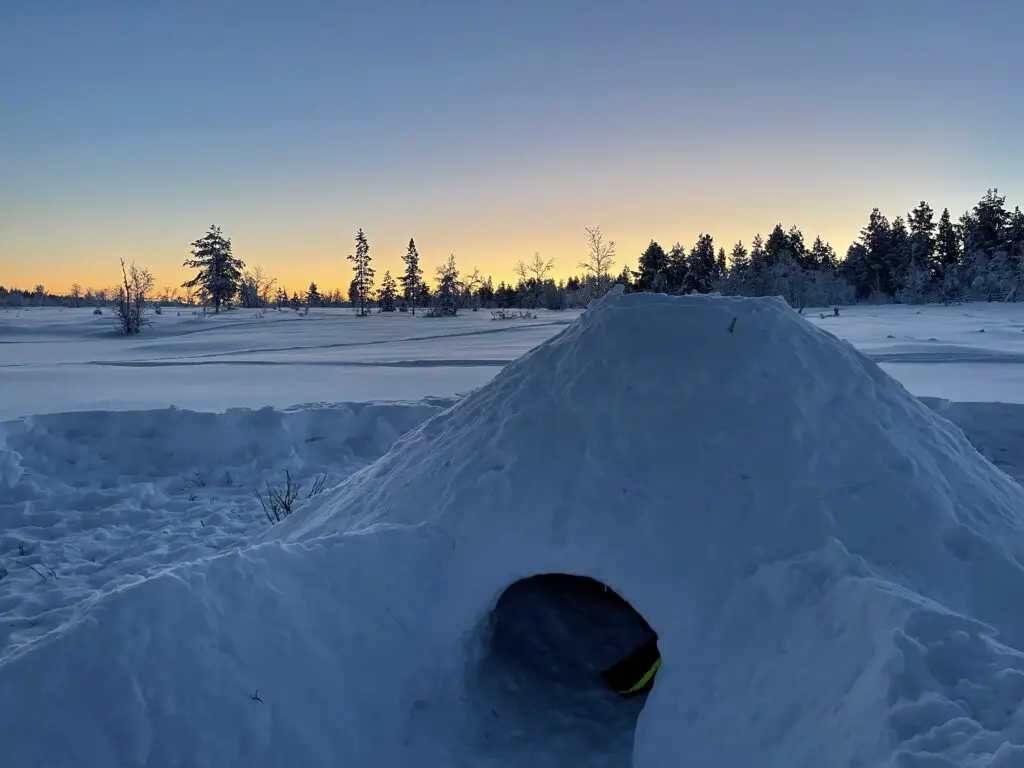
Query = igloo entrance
x=559 y=656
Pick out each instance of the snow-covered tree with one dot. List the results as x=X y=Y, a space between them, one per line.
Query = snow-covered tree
x=652 y=269
x=677 y=271
x=703 y=264
x=412 y=278
x=916 y=281
x=449 y=290
x=220 y=273
x=364 y=273
x=313 y=298
x=387 y=294
x=255 y=288
x=948 y=246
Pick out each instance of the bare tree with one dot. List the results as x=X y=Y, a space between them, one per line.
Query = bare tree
x=600 y=258
x=130 y=306
x=470 y=287
x=536 y=270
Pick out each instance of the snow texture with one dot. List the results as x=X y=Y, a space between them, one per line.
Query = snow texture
x=90 y=501
x=833 y=571
x=53 y=360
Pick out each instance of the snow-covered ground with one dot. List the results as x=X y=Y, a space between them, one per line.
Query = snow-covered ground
x=55 y=360
x=122 y=458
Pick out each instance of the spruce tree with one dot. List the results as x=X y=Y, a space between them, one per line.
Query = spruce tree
x=947 y=246
x=758 y=258
x=220 y=273
x=312 y=296
x=652 y=267
x=387 y=294
x=898 y=259
x=876 y=238
x=985 y=227
x=449 y=289
x=703 y=264
x=822 y=256
x=625 y=277
x=921 y=222
x=721 y=267
x=677 y=270
x=363 y=280
x=739 y=261
x=413 y=276
x=776 y=245
x=797 y=248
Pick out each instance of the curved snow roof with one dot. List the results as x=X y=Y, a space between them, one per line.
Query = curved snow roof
x=777 y=507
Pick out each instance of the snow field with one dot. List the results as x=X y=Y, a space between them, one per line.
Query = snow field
x=833 y=571
x=55 y=361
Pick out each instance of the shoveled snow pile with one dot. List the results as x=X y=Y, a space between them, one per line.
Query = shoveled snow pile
x=93 y=500
x=834 y=575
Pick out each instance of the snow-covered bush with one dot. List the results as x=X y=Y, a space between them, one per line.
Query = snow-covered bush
x=508 y=314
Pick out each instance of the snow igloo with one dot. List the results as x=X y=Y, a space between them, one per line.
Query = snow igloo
x=830 y=572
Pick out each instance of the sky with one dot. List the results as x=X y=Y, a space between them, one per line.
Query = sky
x=490 y=130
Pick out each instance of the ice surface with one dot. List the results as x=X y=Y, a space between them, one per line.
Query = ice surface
x=834 y=573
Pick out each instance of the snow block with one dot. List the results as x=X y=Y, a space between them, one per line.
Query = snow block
x=832 y=570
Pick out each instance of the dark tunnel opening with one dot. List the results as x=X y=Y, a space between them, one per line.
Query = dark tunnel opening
x=563 y=673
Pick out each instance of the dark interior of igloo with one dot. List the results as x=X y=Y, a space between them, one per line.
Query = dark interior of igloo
x=553 y=671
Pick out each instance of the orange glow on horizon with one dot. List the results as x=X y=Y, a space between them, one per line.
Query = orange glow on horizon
x=329 y=268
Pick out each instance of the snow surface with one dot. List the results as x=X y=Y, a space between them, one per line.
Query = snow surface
x=58 y=360
x=834 y=572
x=90 y=501
x=54 y=360
x=972 y=352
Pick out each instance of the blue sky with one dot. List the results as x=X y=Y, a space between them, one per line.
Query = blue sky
x=491 y=130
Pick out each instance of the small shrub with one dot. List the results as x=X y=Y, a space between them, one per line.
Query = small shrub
x=279 y=501
x=130 y=306
x=508 y=314
x=97 y=311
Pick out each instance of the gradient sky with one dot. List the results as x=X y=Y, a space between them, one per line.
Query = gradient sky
x=487 y=129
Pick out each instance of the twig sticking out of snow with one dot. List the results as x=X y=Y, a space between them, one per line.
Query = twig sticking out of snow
x=279 y=501
x=319 y=483
x=732 y=325
x=35 y=570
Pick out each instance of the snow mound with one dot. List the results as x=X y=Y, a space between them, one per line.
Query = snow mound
x=92 y=500
x=832 y=571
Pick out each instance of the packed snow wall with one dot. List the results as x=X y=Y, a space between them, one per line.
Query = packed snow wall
x=832 y=571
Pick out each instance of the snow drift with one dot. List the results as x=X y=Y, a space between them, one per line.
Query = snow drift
x=833 y=574
x=93 y=500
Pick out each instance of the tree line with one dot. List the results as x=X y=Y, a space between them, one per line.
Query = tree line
x=913 y=258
